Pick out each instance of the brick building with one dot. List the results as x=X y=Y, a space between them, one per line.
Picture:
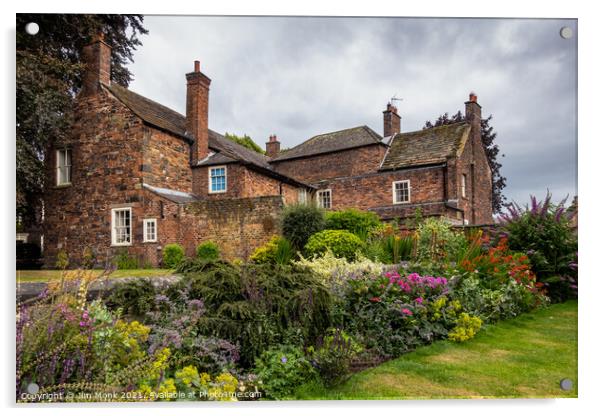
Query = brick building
x=135 y=175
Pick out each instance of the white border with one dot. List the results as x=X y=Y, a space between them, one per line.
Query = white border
x=395 y=201
x=210 y=168
x=113 y=211
x=146 y=221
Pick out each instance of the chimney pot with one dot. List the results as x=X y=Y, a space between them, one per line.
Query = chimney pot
x=197 y=66
x=472 y=97
x=272 y=147
x=391 y=121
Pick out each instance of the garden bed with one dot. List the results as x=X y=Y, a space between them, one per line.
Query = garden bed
x=522 y=357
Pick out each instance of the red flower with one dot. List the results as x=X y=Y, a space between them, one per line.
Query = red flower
x=375 y=299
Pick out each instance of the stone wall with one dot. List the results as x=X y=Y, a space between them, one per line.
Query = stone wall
x=166 y=160
x=239 y=226
x=106 y=158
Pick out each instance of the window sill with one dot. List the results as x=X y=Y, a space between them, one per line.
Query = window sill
x=150 y=242
x=121 y=245
x=401 y=203
x=217 y=192
x=63 y=185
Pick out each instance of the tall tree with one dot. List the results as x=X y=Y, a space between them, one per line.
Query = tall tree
x=49 y=75
x=491 y=150
x=245 y=141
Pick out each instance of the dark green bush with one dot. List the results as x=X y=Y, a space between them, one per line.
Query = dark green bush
x=276 y=251
x=134 y=297
x=173 y=254
x=542 y=231
x=256 y=306
x=125 y=261
x=342 y=243
x=29 y=256
x=333 y=355
x=299 y=222
x=360 y=223
x=207 y=251
x=282 y=369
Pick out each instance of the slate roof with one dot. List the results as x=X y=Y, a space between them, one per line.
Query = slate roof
x=226 y=151
x=175 y=196
x=332 y=142
x=426 y=147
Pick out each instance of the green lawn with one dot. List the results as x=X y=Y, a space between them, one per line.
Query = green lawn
x=523 y=357
x=46 y=275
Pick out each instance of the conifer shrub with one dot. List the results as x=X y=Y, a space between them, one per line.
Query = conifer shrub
x=208 y=251
x=257 y=306
x=299 y=222
x=173 y=254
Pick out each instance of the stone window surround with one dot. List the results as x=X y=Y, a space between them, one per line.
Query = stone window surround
x=145 y=237
x=394 y=186
x=113 y=233
x=211 y=168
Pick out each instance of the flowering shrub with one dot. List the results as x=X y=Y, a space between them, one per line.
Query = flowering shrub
x=466 y=327
x=437 y=241
x=336 y=271
x=542 y=230
x=276 y=251
x=393 y=313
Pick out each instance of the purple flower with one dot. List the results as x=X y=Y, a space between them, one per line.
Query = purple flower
x=283 y=359
x=419 y=300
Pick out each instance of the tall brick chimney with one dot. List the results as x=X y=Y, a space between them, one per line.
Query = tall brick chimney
x=473 y=111
x=97 y=58
x=197 y=112
x=391 y=121
x=272 y=147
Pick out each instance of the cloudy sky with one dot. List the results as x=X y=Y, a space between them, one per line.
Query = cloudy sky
x=297 y=77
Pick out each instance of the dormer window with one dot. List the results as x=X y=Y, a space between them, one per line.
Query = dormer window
x=63 y=167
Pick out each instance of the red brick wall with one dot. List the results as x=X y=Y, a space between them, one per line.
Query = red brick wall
x=243 y=183
x=332 y=165
x=166 y=161
x=376 y=189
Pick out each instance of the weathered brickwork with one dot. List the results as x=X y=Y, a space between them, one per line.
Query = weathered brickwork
x=243 y=182
x=345 y=163
x=166 y=160
x=106 y=158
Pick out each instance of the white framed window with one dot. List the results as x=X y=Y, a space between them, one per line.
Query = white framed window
x=217 y=179
x=302 y=196
x=121 y=226
x=63 y=167
x=149 y=234
x=324 y=198
x=401 y=192
x=463 y=185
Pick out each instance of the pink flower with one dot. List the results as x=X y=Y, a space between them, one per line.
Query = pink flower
x=406 y=311
x=418 y=300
